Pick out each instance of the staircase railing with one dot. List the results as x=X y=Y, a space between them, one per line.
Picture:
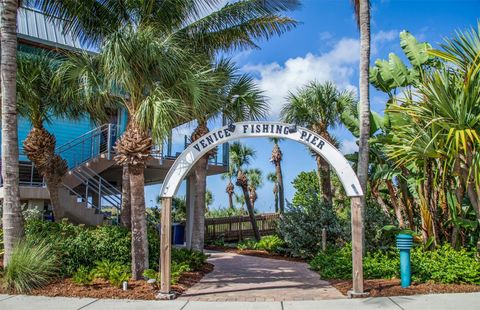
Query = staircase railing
x=89 y=145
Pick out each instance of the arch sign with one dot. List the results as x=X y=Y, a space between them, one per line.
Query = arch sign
x=241 y=130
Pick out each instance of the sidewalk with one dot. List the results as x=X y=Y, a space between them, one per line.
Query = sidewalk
x=422 y=302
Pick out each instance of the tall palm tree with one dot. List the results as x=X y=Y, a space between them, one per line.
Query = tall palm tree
x=233 y=25
x=362 y=14
x=208 y=200
x=318 y=107
x=230 y=189
x=240 y=157
x=38 y=101
x=272 y=177
x=12 y=218
x=276 y=159
x=255 y=181
x=239 y=99
x=146 y=73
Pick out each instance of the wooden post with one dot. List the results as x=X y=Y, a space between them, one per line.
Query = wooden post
x=165 y=245
x=357 y=245
x=324 y=239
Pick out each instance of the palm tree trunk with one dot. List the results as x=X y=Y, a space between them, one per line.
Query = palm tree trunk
x=198 y=231
x=230 y=200
x=363 y=149
x=251 y=213
x=379 y=199
x=407 y=201
x=139 y=223
x=13 y=230
x=52 y=186
x=126 y=208
x=396 y=207
x=281 y=191
x=325 y=180
x=276 y=194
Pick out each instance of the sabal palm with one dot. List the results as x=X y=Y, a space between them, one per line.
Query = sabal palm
x=272 y=177
x=202 y=24
x=318 y=107
x=255 y=181
x=145 y=73
x=240 y=157
x=276 y=159
x=237 y=98
x=38 y=99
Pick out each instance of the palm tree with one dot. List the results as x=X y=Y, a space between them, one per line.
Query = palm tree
x=13 y=230
x=272 y=177
x=239 y=99
x=230 y=189
x=240 y=156
x=145 y=73
x=255 y=180
x=318 y=107
x=234 y=25
x=276 y=159
x=208 y=199
x=37 y=102
x=362 y=14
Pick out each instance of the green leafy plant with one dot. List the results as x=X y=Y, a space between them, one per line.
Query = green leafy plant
x=118 y=275
x=176 y=271
x=270 y=243
x=32 y=265
x=247 y=244
x=83 y=276
x=103 y=268
x=193 y=259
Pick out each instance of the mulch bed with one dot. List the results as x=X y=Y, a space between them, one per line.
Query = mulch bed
x=258 y=253
x=385 y=288
x=102 y=289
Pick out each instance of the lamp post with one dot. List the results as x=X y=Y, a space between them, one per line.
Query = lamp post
x=404 y=244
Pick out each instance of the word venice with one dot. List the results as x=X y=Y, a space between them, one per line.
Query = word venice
x=252 y=130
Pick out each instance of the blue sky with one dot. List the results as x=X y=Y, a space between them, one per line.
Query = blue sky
x=325 y=47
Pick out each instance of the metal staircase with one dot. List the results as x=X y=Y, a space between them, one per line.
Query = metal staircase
x=87 y=156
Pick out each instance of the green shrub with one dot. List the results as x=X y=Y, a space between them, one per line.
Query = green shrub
x=442 y=265
x=77 y=245
x=193 y=259
x=247 y=244
x=31 y=265
x=118 y=275
x=176 y=271
x=270 y=243
x=445 y=265
x=83 y=276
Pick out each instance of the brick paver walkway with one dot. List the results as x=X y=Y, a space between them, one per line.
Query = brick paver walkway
x=247 y=278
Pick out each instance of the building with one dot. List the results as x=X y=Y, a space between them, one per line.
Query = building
x=93 y=182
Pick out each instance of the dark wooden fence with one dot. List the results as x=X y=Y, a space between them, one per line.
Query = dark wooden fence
x=237 y=228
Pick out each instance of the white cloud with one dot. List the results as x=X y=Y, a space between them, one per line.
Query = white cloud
x=348 y=147
x=337 y=65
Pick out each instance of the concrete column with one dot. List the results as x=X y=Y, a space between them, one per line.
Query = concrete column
x=190 y=198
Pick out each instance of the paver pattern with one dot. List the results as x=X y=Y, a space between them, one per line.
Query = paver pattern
x=248 y=278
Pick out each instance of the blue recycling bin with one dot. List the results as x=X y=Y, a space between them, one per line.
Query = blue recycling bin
x=178 y=233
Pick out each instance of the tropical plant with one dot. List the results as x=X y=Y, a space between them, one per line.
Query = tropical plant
x=276 y=159
x=318 y=106
x=208 y=200
x=272 y=177
x=239 y=99
x=255 y=181
x=31 y=265
x=83 y=276
x=240 y=157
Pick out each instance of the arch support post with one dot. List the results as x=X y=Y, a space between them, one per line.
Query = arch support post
x=165 y=248
x=357 y=246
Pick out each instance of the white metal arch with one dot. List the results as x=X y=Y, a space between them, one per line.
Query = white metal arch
x=196 y=150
